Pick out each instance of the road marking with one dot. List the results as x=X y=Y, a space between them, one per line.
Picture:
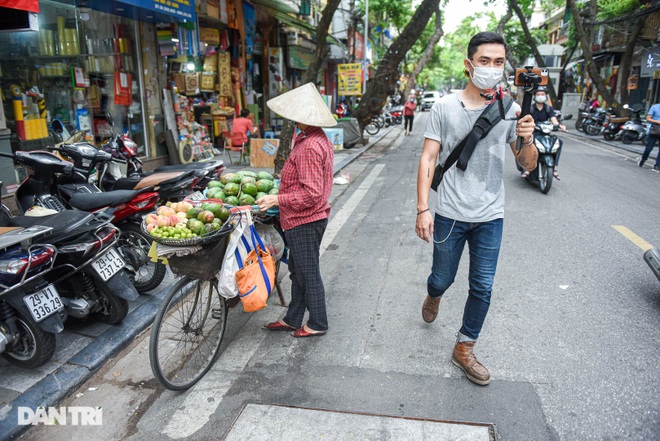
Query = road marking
x=345 y=212
x=644 y=245
x=200 y=403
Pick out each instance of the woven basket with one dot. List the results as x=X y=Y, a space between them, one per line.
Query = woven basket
x=204 y=264
x=214 y=237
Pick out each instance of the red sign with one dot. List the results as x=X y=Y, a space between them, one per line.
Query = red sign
x=23 y=5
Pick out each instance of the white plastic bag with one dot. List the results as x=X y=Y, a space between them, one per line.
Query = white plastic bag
x=227 y=279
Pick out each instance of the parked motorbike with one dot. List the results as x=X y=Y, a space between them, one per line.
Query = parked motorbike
x=548 y=145
x=31 y=310
x=614 y=128
x=52 y=186
x=582 y=116
x=397 y=114
x=596 y=123
x=123 y=147
x=89 y=273
x=636 y=128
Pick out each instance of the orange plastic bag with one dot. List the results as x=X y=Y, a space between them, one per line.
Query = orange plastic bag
x=256 y=276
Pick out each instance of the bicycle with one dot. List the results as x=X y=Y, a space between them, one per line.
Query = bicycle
x=190 y=324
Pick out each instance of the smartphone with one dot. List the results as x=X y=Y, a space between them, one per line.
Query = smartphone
x=522 y=74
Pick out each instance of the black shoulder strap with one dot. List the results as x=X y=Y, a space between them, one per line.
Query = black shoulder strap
x=486 y=121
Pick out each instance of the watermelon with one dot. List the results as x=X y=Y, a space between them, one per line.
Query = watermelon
x=264 y=185
x=246 y=199
x=231 y=189
x=231 y=200
x=265 y=175
x=273 y=191
x=215 y=184
x=250 y=189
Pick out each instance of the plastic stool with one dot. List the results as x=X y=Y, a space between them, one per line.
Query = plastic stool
x=268 y=135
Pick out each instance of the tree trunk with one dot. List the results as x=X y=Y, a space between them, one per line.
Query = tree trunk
x=322 y=49
x=626 y=61
x=379 y=87
x=500 y=30
x=585 y=42
x=532 y=45
x=426 y=56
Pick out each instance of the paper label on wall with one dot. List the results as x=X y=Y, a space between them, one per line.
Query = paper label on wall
x=123 y=79
x=269 y=148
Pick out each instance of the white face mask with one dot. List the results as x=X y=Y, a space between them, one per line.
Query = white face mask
x=541 y=99
x=486 y=77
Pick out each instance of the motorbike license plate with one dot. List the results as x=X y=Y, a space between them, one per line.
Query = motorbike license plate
x=108 y=265
x=43 y=303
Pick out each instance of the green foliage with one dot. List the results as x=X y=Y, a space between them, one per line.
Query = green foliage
x=617 y=8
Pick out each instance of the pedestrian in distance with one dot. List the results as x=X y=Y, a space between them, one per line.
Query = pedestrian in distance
x=469 y=206
x=303 y=196
x=542 y=111
x=653 y=117
x=244 y=126
x=409 y=114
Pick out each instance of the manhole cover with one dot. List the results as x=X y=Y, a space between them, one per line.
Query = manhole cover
x=273 y=422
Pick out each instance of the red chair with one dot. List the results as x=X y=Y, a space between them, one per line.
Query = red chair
x=234 y=142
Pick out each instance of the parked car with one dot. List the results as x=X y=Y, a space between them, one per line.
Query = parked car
x=428 y=99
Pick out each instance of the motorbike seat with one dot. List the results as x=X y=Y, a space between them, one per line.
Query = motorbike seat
x=188 y=166
x=92 y=201
x=618 y=120
x=62 y=222
x=161 y=179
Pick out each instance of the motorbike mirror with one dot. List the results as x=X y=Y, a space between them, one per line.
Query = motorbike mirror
x=108 y=118
x=57 y=126
x=569 y=116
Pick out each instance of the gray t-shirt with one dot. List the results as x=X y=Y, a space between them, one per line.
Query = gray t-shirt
x=476 y=195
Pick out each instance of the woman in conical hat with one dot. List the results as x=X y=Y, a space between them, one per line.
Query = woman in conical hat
x=304 y=191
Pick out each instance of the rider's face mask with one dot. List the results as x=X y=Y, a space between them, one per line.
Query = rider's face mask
x=541 y=98
x=486 y=77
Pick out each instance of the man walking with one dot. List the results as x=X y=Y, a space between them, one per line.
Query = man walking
x=469 y=204
x=653 y=117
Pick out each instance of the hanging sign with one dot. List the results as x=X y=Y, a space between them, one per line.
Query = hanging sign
x=350 y=79
x=184 y=9
x=23 y=5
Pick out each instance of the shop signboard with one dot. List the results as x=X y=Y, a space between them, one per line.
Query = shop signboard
x=23 y=5
x=299 y=57
x=275 y=71
x=650 y=62
x=184 y=9
x=350 y=79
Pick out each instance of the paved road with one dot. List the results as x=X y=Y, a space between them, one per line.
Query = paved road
x=570 y=340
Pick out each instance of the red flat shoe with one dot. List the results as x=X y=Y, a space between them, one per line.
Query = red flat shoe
x=278 y=326
x=302 y=333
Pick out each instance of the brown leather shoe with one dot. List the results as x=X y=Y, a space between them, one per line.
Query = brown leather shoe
x=430 y=308
x=465 y=359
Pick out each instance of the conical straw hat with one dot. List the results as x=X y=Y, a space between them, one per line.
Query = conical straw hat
x=303 y=104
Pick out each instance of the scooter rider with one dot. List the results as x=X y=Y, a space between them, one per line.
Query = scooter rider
x=542 y=111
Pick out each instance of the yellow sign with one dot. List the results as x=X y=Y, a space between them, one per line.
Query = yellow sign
x=350 y=79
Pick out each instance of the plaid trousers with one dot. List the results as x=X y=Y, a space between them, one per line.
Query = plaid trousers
x=307 y=291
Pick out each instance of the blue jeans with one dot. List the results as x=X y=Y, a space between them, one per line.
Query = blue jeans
x=650 y=143
x=484 y=240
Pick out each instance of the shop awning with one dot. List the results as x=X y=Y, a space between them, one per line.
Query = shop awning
x=275 y=5
x=297 y=23
x=23 y=5
x=152 y=11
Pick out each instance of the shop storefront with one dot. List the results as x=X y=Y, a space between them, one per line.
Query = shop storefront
x=97 y=68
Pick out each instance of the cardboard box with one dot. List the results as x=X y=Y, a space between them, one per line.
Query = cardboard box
x=263 y=152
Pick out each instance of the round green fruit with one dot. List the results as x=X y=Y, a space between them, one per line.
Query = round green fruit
x=264 y=175
x=231 y=200
x=231 y=189
x=250 y=189
x=274 y=191
x=264 y=185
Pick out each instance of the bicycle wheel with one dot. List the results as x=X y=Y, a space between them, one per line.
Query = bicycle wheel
x=187 y=333
x=372 y=129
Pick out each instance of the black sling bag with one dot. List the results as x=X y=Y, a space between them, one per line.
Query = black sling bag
x=493 y=114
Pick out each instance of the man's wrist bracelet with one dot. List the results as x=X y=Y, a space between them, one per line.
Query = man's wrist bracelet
x=423 y=211
x=529 y=143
